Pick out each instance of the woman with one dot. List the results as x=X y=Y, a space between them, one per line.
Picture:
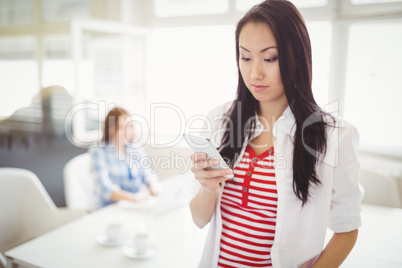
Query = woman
x=295 y=167
x=116 y=165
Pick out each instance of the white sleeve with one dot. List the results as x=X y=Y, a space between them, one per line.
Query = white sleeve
x=347 y=193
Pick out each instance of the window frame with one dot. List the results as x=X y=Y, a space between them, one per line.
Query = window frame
x=80 y=136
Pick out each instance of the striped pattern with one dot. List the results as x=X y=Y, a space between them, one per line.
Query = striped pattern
x=248 y=207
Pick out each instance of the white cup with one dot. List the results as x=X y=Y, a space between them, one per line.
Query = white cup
x=141 y=240
x=113 y=231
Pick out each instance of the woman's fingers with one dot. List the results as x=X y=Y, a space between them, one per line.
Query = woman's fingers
x=208 y=178
x=198 y=157
x=216 y=173
x=202 y=164
x=202 y=174
x=213 y=183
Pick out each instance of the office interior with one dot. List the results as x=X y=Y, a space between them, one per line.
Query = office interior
x=64 y=63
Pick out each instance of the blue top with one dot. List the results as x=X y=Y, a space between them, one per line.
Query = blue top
x=112 y=172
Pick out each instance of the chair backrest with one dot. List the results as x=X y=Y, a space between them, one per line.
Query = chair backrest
x=25 y=207
x=3 y=261
x=78 y=183
x=379 y=189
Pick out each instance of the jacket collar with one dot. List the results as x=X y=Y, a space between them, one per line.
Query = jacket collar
x=285 y=124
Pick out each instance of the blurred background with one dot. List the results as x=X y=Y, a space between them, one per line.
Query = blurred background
x=64 y=62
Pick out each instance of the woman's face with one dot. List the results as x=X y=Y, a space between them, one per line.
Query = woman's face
x=259 y=64
x=125 y=130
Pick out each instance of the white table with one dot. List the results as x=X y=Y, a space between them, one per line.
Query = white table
x=180 y=243
x=178 y=240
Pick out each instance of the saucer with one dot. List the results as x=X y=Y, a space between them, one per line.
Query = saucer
x=132 y=252
x=105 y=241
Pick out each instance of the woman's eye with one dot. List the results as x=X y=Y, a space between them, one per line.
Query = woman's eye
x=245 y=59
x=271 y=59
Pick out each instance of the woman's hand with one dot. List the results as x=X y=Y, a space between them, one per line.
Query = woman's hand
x=337 y=249
x=209 y=179
x=153 y=189
x=123 y=195
x=203 y=204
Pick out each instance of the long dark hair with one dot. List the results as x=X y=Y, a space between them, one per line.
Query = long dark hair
x=294 y=56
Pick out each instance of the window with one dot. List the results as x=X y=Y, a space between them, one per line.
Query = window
x=58 y=68
x=109 y=63
x=309 y=3
x=18 y=72
x=374 y=82
x=362 y=2
x=245 y=5
x=170 y=8
x=198 y=72
x=114 y=63
x=59 y=10
x=320 y=36
x=16 y=12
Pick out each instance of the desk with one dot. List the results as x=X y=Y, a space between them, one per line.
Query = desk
x=180 y=243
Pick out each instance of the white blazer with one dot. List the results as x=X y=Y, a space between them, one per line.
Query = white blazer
x=335 y=203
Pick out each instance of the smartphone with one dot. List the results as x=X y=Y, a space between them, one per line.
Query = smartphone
x=203 y=145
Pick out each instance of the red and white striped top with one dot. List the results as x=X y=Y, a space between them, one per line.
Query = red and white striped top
x=248 y=207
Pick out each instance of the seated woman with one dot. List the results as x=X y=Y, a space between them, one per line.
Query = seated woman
x=116 y=164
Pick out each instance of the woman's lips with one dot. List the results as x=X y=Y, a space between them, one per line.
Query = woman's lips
x=259 y=87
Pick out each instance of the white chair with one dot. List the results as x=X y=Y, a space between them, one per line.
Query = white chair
x=3 y=261
x=379 y=189
x=26 y=209
x=78 y=183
